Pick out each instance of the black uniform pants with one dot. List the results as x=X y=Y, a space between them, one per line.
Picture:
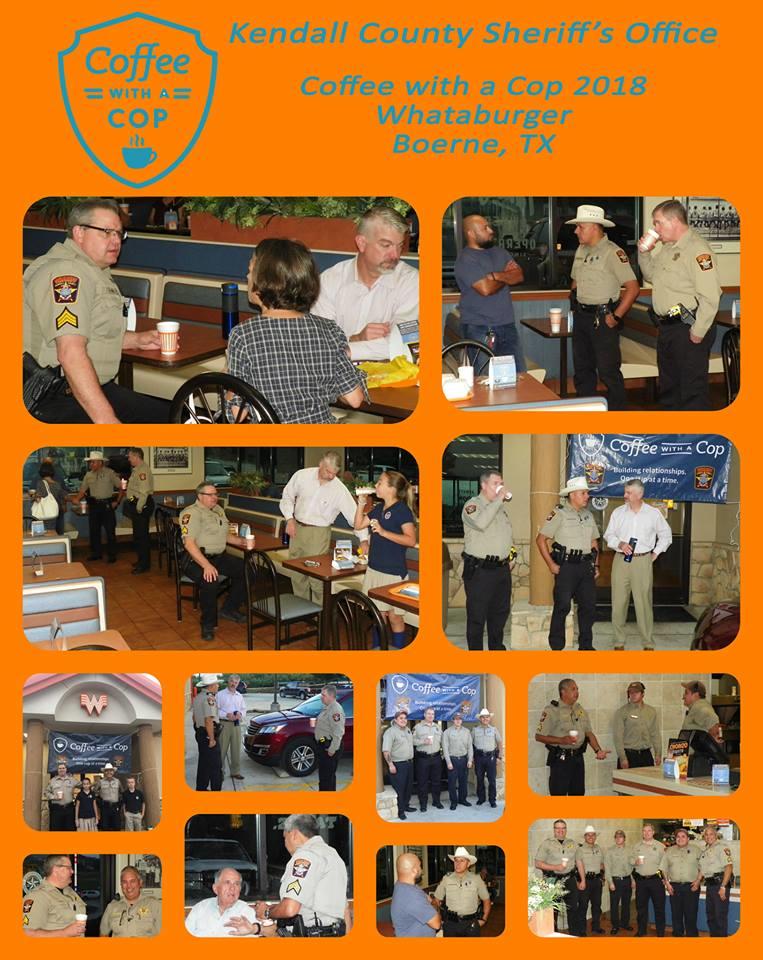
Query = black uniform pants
x=428 y=771
x=592 y=895
x=209 y=771
x=129 y=407
x=457 y=779
x=141 y=537
x=620 y=903
x=455 y=926
x=650 y=888
x=488 y=601
x=101 y=516
x=682 y=368
x=597 y=349
x=574 y=581
x=233 y=568
x=61 y=816
x=566 y=778
x=402 y=783
x=110 y=820
x=484 y=766
x=717 y=910
x=570 y=881
x=684 y=905
x=326 y=765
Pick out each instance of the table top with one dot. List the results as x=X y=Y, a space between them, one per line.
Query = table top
x=28 y=538
x=649 y=781
x=171 y=505
x=105 y=640
x=542 y=325
x=324 y=571
x=385 y=595
x=392 y=402
x=264 y=542
x=723 y=319
x=527 y=390
x=197 y=343
x=56 y=571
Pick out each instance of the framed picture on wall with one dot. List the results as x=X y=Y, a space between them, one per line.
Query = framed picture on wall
x=170 y=460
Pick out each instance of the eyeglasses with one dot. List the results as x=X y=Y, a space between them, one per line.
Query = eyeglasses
x=209 y=493
x=112 y=234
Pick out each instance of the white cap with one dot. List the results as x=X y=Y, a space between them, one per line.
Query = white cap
x=588 y=213
x=573 y=484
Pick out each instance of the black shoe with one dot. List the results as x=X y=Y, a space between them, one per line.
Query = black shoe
x=597 y=930
x=629 y=929
x=93 y=557
x=207 y=633
x=438 y=806
x=233 y=615
x=454 y=806
x=410 y=810
x=493 y=803
x=480 y=802
x=112 y=560
x=464 y=803
x=401 y=816
x=423 y=807
x=640 y=934
x=613 y=932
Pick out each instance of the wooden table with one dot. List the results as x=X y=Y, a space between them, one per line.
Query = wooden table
x=197 y=343
x=385 y=595
x=527 y=390
x=56 y=571
x=391 y=403
x=542 y=326
x=326 y=574
x=264 y=542
x=723 y=319
x=105 y=640
x=172 y=506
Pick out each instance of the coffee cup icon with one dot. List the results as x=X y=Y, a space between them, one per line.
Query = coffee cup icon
x=138 y=157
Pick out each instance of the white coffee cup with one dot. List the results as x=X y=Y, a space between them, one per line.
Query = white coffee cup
x=573 y=733
x=648 y=241
x=81 y=917
x=249 y=541
x=640 y=859
x=555 y=316
x=168 y=332
x=565 y=861
x=466 y=374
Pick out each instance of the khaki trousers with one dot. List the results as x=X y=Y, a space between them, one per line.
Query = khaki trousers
x=308 y=542
x=230 y=739
x=632 y=578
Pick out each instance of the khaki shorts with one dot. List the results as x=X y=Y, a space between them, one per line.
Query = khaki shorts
x=374 y=578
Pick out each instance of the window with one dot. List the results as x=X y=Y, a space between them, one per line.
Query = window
x=462 y=463
x=368 y=463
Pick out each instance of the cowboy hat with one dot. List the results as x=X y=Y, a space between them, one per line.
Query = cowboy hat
x=463 y=852
x=587 y=213
x=573 y=484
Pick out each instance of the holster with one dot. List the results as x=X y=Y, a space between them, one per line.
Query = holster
x=558 y=553
x=471 y=565
x=39 y=382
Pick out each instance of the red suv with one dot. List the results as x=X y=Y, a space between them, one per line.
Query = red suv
x=287 y=738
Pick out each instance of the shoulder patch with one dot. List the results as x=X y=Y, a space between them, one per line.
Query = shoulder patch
x=142 y=476
x=551 y=516
x=184 y=531
x=28 y=905
x=337 y=717
x=186 y=517
x=622 y=255
x=300 y=868
x=66 y=317
x=705 y=261
x=471 y=508
x=65 y=289
x=294 y=887
x=211 y=699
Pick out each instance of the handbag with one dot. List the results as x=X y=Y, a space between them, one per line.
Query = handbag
x=46 y=508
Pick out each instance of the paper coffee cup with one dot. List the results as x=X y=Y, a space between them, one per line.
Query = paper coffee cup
x=83 y=506
x=648 y=241
x=168 y=332
x=249 y=541
x=640 y=859
x=565 y=861
x=573 y=733
x=123 y=483
x=555 y=316
x=59 y=794
x=82 y=917
x=466 y=374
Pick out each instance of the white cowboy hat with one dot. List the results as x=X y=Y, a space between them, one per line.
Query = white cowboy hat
x=109 y=766
x=573 y=484
x=484 y=712
x=95 y=455
x=587 y=213
x=463 y=852
x=207 y=679
x=590 y=829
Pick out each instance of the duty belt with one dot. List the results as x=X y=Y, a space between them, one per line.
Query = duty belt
x=487 y=563
x=487 y=753
x=593 y=307
x=646 y=876
x=714 y=879
x=593 y=873
x=460 y=917
x=626 y=877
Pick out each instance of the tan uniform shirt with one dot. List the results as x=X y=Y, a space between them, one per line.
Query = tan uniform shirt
x=591 y=856
x=143 y=918
x=140 y=485
x=616 y=863
x=207 y=526
x=66 y=294
x=109 y=791
x=652 y=854
x=714 y=859
x=634 y=726
x=574 y=529
x=316 y=877
x=486 y=738
x=700 y=716
x=681 y=864
x=559 y=718
x=487 y=528
x=684 y=272
x=398 y=743
x=204 y=705
x=50 y=908
x=422 y=733
x=599 y=271
x=61 y=789
x=330 y=725
x=554 y=851
x=462 y=894
x=457 y=743
x=101 y=484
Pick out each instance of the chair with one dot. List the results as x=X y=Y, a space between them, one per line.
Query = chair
x=732 y=364
x=464 y=353
x=202 y=399
x=46 y=549
x=77 y=605
x=266 y=605
x=162 y=543
x=354 y=617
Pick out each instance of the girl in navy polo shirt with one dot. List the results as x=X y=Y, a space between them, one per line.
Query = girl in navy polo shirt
x=393 y=530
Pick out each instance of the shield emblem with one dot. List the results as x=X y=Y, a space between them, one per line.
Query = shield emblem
x=594 y=474
x=399 y=684
x=592 y=443
x=137 y=91
x=703 y=477
x=60 y=745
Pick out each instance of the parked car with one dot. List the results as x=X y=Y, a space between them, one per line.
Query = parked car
x=216 y=472
x=717 y=627
x=203 y=858
x=298 y=691
x=286 y=737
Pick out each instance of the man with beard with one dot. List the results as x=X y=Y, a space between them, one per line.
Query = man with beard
x=484 y=274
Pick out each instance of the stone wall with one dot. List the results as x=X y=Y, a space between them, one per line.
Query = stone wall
x=520 y=574
x=714 y=573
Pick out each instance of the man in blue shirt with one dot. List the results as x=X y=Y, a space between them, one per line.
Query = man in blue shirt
x=412 y=913
x=484 y=274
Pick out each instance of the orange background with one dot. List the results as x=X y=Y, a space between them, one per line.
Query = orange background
x=692 y=134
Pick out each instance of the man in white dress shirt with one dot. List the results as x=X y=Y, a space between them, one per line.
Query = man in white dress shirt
x=311 y=501
x=231 y=709
x=216 y=916
x=370 y=294
x=632 y=564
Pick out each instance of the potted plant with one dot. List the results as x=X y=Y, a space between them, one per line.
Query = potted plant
x=248 y=484
x=544 y=896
